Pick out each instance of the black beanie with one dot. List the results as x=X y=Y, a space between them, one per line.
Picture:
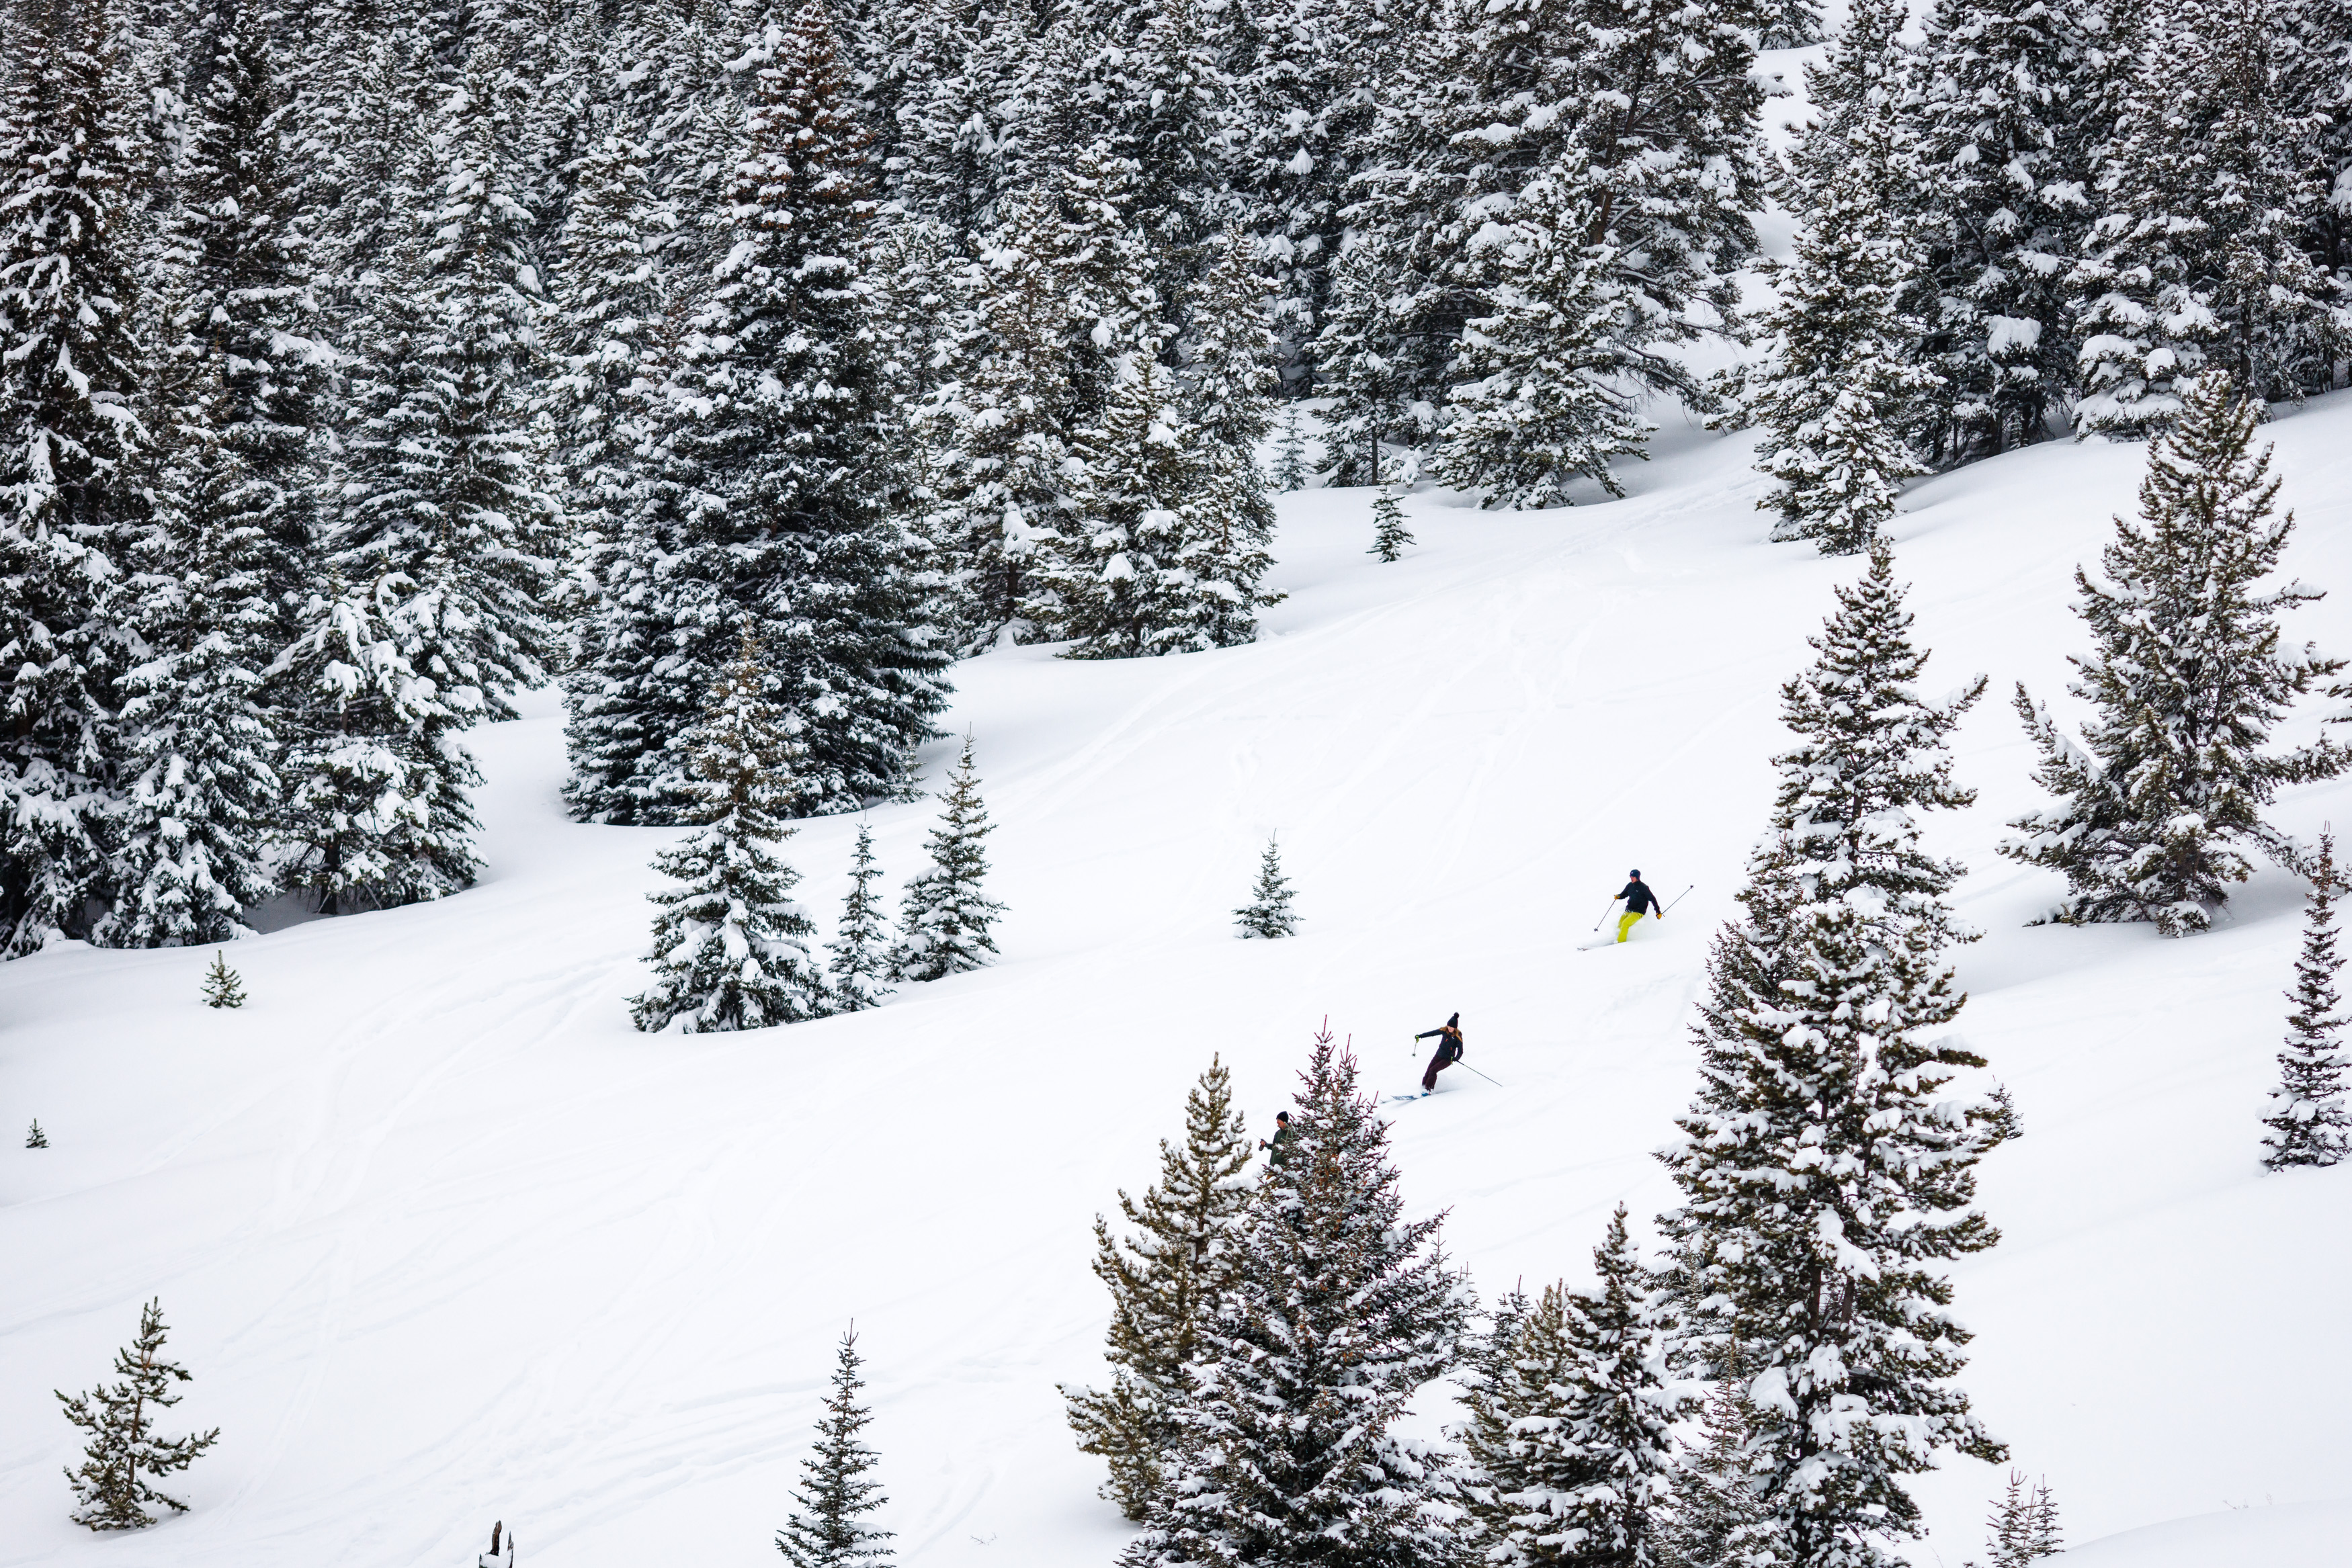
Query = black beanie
x=1453 y=1022
x=1635 y=874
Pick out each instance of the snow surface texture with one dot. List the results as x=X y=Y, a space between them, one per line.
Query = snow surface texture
x=444 y=1241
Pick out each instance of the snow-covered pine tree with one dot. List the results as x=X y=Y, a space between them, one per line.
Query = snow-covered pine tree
x=218 y=571
x=1825 y=1172
x=223 y=988
x=1305 y=78
x=1336 y=1310
x=2308 y=1121
x=125 y=1456
x=1841 y=382
x=1268 y=912
x=860 y=947
x=1570 y=1436
x=2165 y=795
x=1546 y=389
x=2003 y=157
x=1788 y=24
x=1112 y=578
x=943 y=925
x=1358 y=364
x=1290 y=452
x=1163 y=1277
x=190 y=834
x=1389 y=536
x=1228 y=385
x=35 y=1138
x=827 y=1527
x=1002 y=431
x=2043 y=1536
x=438 y=556
x=1713 y=1500
x=2196 y=256
x=71 y=361
x=731 y=947
x=784 y=369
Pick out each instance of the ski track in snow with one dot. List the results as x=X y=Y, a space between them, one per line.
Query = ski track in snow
x=445 y=1241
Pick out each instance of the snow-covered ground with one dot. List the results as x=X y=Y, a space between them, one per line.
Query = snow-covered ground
x=445 y=1242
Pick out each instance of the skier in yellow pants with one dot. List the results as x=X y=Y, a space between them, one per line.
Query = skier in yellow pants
x=1639 y=901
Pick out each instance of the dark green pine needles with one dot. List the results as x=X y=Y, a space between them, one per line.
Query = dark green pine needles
x=112 y=1488
x=860 y=946
x=2308 y=1125
x=2160 y=802
x=1164 y=1277
x=1389 y=536
x=837 y=1490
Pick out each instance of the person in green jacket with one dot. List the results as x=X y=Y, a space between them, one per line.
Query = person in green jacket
x=1277 y=1148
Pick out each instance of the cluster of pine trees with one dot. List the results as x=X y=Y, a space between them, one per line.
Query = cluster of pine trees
x=363 y=364
x=2045 y=214
x=1266 y=1332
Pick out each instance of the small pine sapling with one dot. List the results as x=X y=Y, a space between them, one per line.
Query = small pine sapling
x=944 y=927
x=860 y=945
x=37 y=1139
x=1268 y=912
x=222 y=989
x=1290 y=453
x=2023 y=1525
x=2307 y=1123
x=2002 y=1120
x=1713 y=1501
x=501 y=1553
x=837 y=1490
x=1389 y=536
x=111 y=1490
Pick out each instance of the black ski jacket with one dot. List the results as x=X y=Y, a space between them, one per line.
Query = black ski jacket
x=1638 y=897
x=1450 y=1040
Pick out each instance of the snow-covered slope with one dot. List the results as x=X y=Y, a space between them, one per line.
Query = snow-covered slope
x=445 y=1241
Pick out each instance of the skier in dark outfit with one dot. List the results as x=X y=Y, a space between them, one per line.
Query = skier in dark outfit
x=1449 y=1050
x=1278 y=1151
x=1639 y=901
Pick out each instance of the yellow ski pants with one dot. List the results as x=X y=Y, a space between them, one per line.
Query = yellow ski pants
x=1625 y=923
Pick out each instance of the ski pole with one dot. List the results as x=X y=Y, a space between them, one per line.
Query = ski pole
x=1496 y=1081
x=1678 y=898
x=1605 y=915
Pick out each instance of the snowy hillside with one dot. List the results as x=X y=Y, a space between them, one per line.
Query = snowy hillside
x=445 y=1241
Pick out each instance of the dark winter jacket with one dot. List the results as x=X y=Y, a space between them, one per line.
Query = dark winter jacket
x=1277 y=1148
x=1638 y=897
x=1449 y=1045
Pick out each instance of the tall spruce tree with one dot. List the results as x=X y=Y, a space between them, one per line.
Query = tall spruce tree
x=943 y=925
x=784 y=366
x=859 y=950
x=1164 y=1276
x=2165 y=795
x=730 y=948
x=72 y=359
x=1841 y=382
x=1569 y=1435
x=1825 y=1174
x=1336 y=1310
x=2004 y=152
x=115 y=1484
x=827 y=1528
x=2308 y=1123
x=2196 y=259
x=1548 y=383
